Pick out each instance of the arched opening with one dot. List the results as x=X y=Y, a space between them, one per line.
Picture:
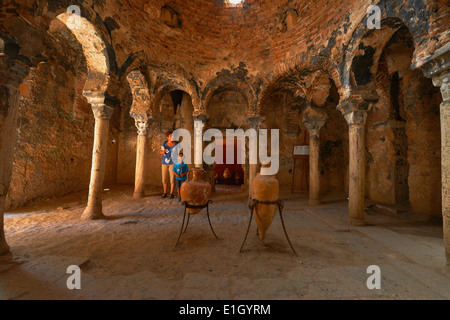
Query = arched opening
x=282 y=110
x=227 y=109
x=403 y=147
x=55 y=124
x=171 y=108
x=334 y=149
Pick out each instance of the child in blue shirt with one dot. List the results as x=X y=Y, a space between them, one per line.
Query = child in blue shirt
x=180 y=170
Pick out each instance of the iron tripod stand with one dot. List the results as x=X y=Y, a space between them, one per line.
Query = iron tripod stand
x=188 y=206
x=252 y=206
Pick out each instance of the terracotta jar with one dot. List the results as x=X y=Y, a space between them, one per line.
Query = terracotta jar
x=197 y=191
x=227 y=173
x=265 y=188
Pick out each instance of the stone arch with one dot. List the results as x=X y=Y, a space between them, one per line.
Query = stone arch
x=140 y=93
x=233 y=83
x=94 y=51
x=403 y=126
x=301 y=80
x=363 y=50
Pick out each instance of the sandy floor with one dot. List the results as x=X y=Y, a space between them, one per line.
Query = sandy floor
x=131 y=255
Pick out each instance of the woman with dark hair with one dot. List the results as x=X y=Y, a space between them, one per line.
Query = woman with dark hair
x=168 y=175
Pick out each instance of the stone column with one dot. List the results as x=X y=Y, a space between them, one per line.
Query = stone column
x=142 y=124
x=12 y=74
x=198 y=139
x=102 y=115
x=254 y=123
x=314 y=125
x=355 y=110
x=8 y=137
x=4 y=248
x=438 y=68
x=444 y=82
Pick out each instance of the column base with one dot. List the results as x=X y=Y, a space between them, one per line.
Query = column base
x=138 y=195
x=358 y=222
x=314 y=202
x=92 y=213
x=4 y=248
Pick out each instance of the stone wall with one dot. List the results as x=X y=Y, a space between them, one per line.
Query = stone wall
x=53 y=154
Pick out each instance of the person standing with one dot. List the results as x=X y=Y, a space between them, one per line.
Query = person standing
x=168 y=176
x=181 y=170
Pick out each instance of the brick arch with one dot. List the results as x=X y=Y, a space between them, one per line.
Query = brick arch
x=222 y=83
x=363 y=50
x=165 y=83
x=140 y=92
x=94 y=51
x=299 y=80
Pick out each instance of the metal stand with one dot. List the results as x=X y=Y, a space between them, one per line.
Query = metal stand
x=186 y=206
x=252 y=205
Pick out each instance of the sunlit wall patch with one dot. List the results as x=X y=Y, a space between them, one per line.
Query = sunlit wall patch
x=234 y=3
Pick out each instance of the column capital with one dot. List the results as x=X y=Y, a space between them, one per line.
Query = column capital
x=97 y=102
x=142 y=122
x=356 y=107
x=313 y=125
x=255 y=121
x=314 y=119
x=436 y=63
x=442 y=80
x=198 y=116
x=101 y=111
x=437 y=67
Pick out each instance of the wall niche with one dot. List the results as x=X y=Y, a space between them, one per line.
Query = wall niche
x=170 y=17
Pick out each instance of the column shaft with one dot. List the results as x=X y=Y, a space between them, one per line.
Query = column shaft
x=139 y=188
x=357 y=176
x=94 y=208
x=4 y=248
x=314 y=170
x=445 y=164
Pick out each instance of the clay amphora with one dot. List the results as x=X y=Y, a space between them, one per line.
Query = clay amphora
x=265 y=188
x=197 y=191
x=227 y=174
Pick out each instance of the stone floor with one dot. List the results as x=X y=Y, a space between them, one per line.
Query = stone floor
x=131 y=254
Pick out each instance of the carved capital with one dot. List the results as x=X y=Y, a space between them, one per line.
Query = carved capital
x=437 y=67
x=314 y=119
x=97 y=102
x=255 y=121
x=200 y=116
x=436 y=63
x=442 y=80
x=356 y=118
x=356 y=108
x=101 y=111
x=141 y=122
x=314 y=125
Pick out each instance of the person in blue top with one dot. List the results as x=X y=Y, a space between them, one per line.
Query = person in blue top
x=181 y=170
x=167 y=165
